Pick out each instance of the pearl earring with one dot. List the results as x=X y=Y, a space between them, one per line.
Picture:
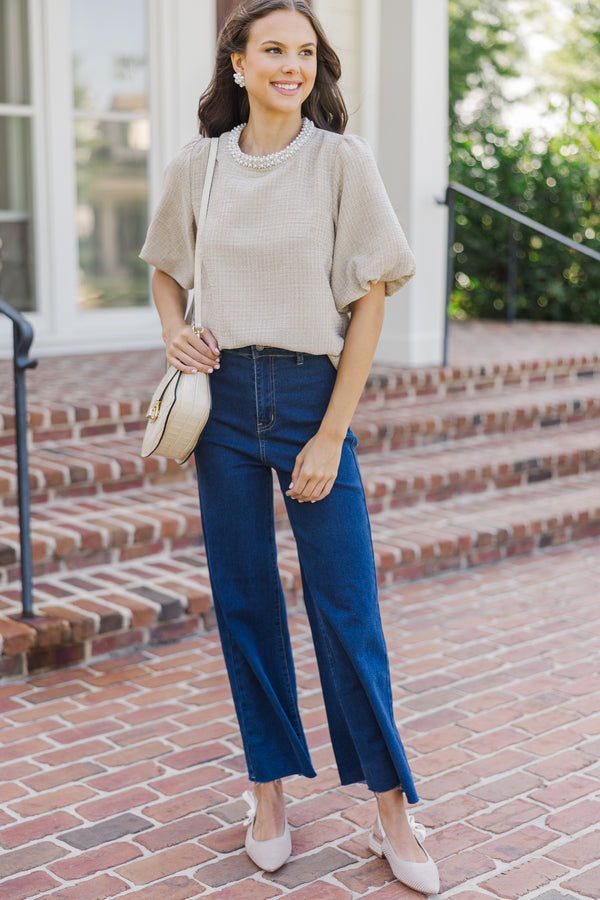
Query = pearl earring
x=239 y=79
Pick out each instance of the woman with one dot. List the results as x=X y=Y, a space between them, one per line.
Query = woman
x=299 y=249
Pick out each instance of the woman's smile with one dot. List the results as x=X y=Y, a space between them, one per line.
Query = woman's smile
x=287 y=87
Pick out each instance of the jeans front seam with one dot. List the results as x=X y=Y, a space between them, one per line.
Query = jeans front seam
x=242 y=709
x=289 y=682
x=257 y=405
x=390 y=698
x=389 y=695
x=268 y=394
x=289 y=686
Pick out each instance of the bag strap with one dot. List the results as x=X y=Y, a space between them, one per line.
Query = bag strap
x=208 y=179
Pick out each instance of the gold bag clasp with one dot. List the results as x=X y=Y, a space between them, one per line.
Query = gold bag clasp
x=154 y=412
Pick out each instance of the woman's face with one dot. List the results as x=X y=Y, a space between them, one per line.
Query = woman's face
x=280 y=62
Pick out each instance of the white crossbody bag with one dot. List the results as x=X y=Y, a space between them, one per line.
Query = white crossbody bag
x=180 y=405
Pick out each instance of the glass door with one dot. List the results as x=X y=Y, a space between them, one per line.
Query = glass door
x=111 y=128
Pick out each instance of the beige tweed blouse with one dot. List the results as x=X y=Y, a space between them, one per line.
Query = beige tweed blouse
x=285 y=250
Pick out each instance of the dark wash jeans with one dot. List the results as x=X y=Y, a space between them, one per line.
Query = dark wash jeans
x=267 y=403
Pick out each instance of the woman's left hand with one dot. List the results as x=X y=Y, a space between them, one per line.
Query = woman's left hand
x=316 y=469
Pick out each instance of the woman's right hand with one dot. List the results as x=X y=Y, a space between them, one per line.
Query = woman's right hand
x=191 y=351
x=188 y=350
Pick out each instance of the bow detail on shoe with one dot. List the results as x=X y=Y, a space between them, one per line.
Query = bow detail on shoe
x=250 y=799
x=420 y=876
x=419 y=831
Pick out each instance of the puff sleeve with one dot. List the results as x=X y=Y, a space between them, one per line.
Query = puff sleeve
x=370 y=245
x=171 y=239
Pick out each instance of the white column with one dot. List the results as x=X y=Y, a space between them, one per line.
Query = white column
x=184 y=51
x=343 y=21
x=411 y=143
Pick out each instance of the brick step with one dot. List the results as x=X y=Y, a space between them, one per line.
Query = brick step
x=122 y=603
x=128 y=520
x=131 y=524
x=471 y=380
x=65 y=469
x=103 y=529
x=396 y=424
x=436 y=472
x=76 y=398
x=94 y=464
x=475 y=529
x=86 y=614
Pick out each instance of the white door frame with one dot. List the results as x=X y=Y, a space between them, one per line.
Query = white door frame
x=181 y=49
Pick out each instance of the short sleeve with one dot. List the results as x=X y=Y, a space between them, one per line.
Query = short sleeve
x=370 y=245
x=171 y=239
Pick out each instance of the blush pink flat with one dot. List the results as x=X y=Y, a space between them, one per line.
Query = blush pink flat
x=267 y=855
x=423 y=877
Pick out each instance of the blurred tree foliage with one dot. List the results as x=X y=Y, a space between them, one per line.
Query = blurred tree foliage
x=553 y=179
x=573 y=70
x=484 y=48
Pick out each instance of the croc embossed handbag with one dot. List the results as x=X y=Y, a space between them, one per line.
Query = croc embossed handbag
x=180 y=405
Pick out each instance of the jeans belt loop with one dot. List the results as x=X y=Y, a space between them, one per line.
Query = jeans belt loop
x=299 y=359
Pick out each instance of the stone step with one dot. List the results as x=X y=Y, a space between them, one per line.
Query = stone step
x=118 y=602
x=62 y=468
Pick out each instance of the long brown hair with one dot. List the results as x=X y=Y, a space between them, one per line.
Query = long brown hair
x=224 y=105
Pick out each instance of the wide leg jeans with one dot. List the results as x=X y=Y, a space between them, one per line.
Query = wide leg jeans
x=266 y=404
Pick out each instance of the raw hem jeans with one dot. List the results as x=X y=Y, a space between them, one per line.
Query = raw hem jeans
x=267 y=403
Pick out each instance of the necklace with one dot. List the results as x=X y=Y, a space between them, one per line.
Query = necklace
x=273 y=159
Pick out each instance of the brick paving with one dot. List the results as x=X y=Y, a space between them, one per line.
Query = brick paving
x=121 y=766
x=482 y=342
x=123 y=777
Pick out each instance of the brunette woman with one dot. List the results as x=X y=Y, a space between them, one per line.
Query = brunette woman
x=300 y=248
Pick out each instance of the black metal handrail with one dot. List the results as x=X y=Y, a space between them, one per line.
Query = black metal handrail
x=515 y=218
x=22 y=339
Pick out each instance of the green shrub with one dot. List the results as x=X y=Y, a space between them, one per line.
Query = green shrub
x=555 y=182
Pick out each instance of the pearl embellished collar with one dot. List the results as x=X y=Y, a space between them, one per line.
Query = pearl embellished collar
x=273 y=159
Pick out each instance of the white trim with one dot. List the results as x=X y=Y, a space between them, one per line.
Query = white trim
x=13 y=216
x=24 y=110
x=40 y=174
x=182 y=48
x=195 y=57
x=371 y=71
x=60 y=172
x=162 y=45
x=413 y=161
